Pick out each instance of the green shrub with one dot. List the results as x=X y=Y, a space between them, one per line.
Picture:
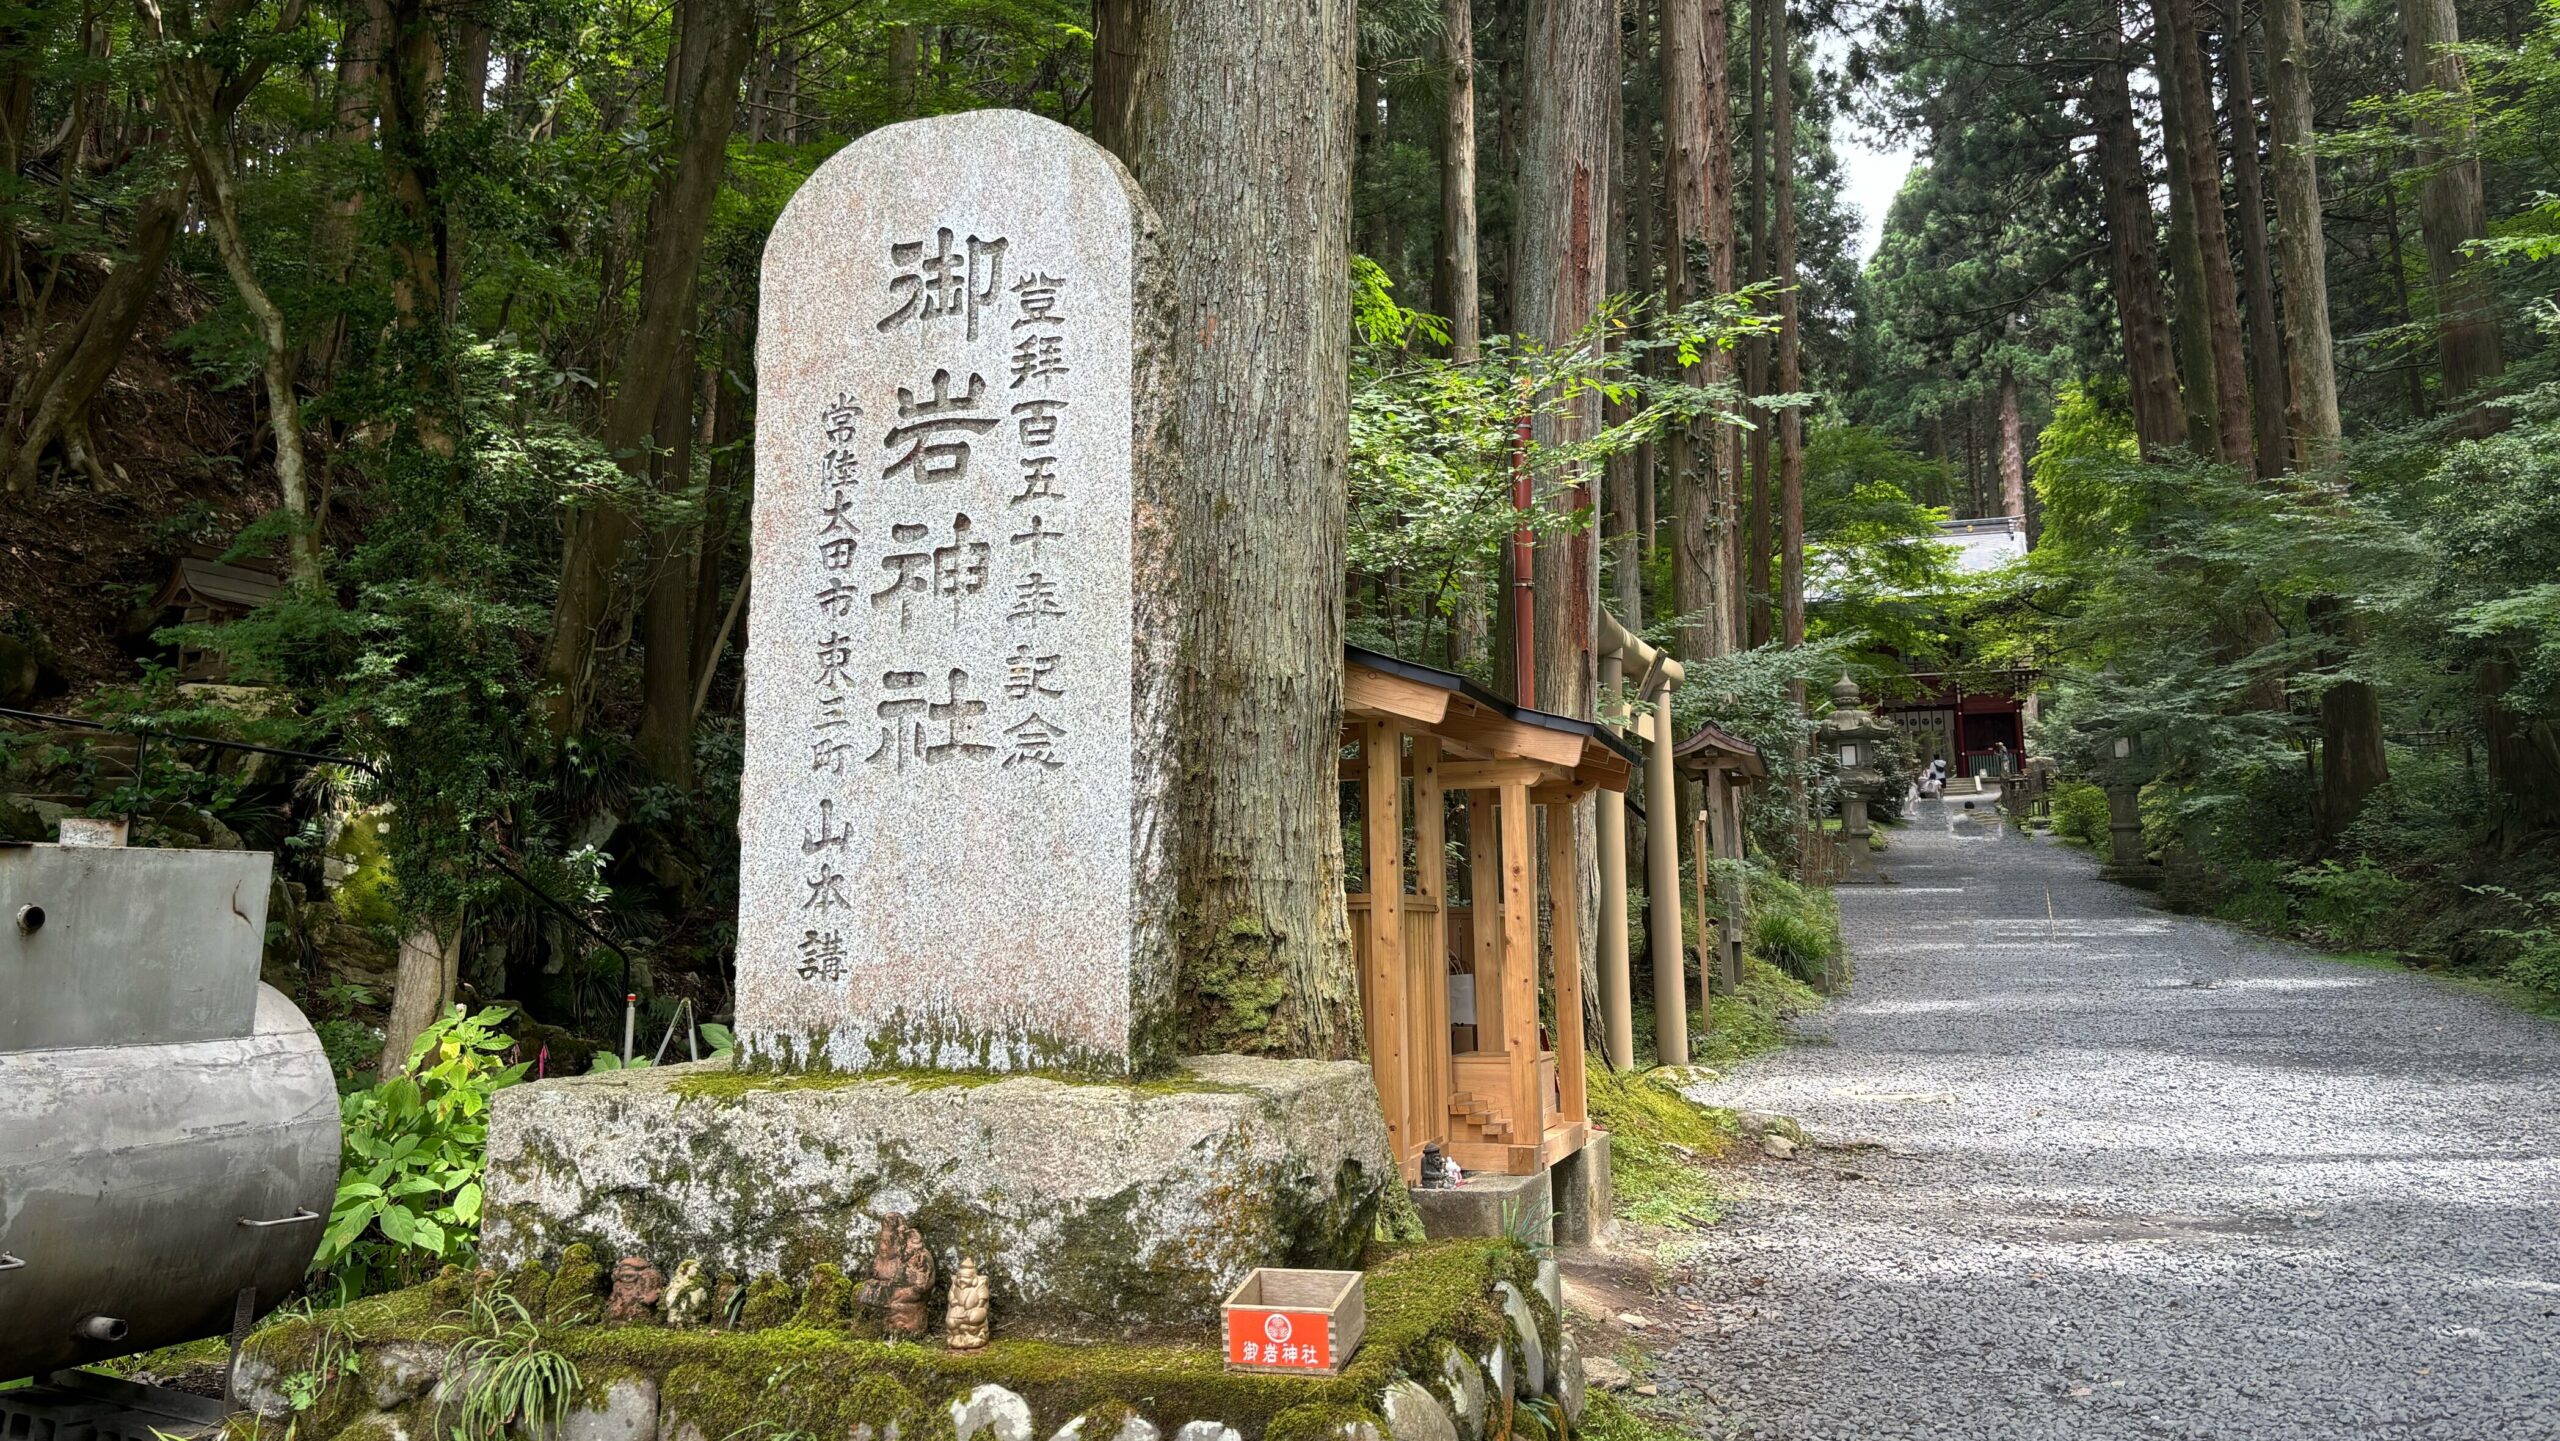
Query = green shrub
x=2080 y=812
x=1794 y=943
x=409 y=1184
x=2255 y=896
x=2355 y=907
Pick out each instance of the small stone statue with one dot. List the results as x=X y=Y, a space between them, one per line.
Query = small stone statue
x=688 y=1300
x=637 y=1285
x=964 y=1322
x=1439 y=1173
x=901 y=1276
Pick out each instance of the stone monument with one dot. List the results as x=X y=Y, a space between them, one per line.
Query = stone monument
x=954 y=846
x=958 y=674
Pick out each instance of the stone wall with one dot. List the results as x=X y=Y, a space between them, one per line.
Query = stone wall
x=1463 y=1342
x=1097 y=1208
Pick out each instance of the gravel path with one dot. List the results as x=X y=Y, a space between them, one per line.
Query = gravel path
x=2122 y=1174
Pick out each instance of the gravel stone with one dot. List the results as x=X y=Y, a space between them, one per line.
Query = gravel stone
x=2129 y=1174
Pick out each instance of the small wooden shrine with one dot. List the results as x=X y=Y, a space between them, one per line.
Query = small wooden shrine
x=202 y=589
x=1450 y=990
x=1725 y=767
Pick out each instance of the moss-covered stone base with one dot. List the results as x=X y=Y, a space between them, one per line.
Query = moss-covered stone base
x=1431 y=1308
x=1134 y=1207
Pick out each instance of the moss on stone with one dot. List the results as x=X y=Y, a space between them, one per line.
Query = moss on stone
x=819 y=1380
x=827 y=1304
x=770 y=1302
x=576 y=1294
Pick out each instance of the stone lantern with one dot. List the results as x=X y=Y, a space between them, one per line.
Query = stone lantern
x=2125 y=861
x=1853 y=734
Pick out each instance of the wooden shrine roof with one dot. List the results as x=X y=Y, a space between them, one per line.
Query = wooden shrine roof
x=1476 y=724
x=1712 y=747
x=200 y=580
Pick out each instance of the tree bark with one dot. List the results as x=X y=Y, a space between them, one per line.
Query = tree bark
x=714 y=39
x=1563 y=238
x=2159 y=414
x=1458 y=184
x=2301 y=251
x=1239 y=131
x=2013 y=451
x=422 y=986
x=2266 y=353
x=1755 y=352
x=1782 y=165
x=2452 y=211
x=2190 y=330
x=665 y=736
x=2195 y=165
x=1698 y=175
x=2523 y=754
x=78 y=365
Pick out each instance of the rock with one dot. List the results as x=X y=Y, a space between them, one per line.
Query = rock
x=1532 y=1380
x=629 y=1412
x=1634 y=1321
x=1414 y=1414
x=399 y=1372
x=1463 y=1385
x=257 y=1386
x=1777 y=1147
x=1087 y=1198
x=1206 y=1431
x=1606 y=1374
x=1568 y=1378
x=1003 y=1415
x=1072 y=1431
x=1136 y=1428
x=1648 y=1389
x=1498 y=1374
x=1357 y=1431
x=1551 y=1285
x=375 y=1426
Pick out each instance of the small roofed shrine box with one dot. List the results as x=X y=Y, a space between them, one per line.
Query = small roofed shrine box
x=1306 y=1323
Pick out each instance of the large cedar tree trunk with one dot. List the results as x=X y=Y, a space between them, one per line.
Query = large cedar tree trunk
x=2190 y=329
x=1563 y=237
x=2301 y=254
x=1238 y=128
x=2133 y=266
x=1782 y=166
x=2452 y=212
x=1698 y=174
x=2266 y=353
x=2196 y=164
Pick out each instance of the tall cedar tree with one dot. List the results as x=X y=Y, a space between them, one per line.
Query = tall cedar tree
x=1237 y=122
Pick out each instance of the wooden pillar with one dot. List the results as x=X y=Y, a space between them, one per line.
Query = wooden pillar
x=1710 y=948
x=1427 y=1050
x=1484 y=864
x=1565 y=949
x=1518 y=980
x=1381 y=754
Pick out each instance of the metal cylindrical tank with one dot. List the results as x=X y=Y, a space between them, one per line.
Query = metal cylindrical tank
x=147 y=1183
x=147 y=1186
